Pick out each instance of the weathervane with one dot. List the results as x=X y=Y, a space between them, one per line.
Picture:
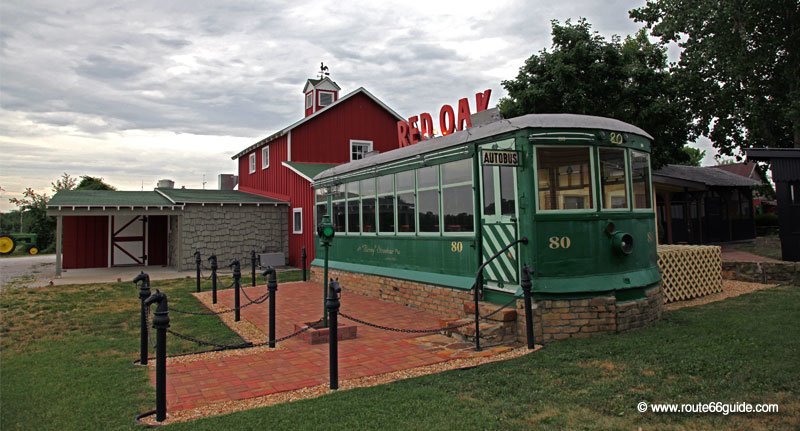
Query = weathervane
x=323 y=71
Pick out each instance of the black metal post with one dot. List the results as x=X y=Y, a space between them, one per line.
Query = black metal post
x=476 y=296
x=333 y=304
x=144 y=293
x=213 y=259
x=253 y=267
x=237 y=277
x=526 y=290
x=272 y=287
x=303 y=257
x=197 y=263
x=325 y=286
x=160 y=323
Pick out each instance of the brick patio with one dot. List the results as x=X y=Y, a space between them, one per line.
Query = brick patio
x=297 y=364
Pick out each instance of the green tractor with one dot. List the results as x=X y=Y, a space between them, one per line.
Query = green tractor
x=10 y=242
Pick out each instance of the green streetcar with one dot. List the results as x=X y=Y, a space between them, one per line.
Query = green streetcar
x=578 y=187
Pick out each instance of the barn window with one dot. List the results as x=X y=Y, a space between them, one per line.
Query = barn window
x=252 y=163
x=297 y=220
x=265 y=157
x=640 y=173
x=359 y=149
x=309 y=99
x=564 y=178
x=428 y=199
x=406 y=208
x=325 y=98
x=613 y=179
x=457 y=206
x=386 y=204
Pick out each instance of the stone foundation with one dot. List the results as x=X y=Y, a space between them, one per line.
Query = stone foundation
x=762 y=272
x=553 y=319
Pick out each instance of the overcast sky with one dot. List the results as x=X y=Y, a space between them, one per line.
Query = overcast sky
x=138 y=91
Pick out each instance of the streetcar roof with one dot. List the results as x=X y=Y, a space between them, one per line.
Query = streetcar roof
x=541 y=121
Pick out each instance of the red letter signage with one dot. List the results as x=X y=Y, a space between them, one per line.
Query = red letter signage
x=420 y=127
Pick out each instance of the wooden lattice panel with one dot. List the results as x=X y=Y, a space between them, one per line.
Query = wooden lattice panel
x=689 y=271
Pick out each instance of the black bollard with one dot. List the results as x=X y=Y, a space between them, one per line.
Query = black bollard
x=144 y=293
x=526 y=289
x=160 y=323
x=253 y=267
x=237 y=277
x=197 y=263
x=333 y=304
x=213 y=259
x=272 y=287
x=303 y=257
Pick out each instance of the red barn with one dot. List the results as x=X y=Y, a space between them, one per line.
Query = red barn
x=335 y=130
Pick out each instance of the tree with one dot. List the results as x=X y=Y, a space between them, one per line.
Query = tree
x=93 y=183
x=66 y=182
x=739 y=69
x=586 y=74
x=696 y=156
x=34 y=205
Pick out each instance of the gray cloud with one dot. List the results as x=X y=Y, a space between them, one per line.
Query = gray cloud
x=92 y=70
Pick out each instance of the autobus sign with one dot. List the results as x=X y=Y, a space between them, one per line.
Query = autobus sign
x=500 y=158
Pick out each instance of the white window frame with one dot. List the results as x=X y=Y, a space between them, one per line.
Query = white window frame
x=359 y=142
x=319 y=98
x=310 y=99
x=265 y=157
x=295 y=228
x=252 y=163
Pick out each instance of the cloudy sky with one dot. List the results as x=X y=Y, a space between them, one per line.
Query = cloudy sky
x=137 y=91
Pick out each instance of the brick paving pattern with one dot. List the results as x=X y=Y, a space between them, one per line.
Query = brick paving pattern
x=298 y=364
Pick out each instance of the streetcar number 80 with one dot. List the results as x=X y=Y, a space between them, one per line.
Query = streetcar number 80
x=456 y=246
x=557 y=242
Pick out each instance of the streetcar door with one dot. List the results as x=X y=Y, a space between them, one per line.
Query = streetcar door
x=499 y=213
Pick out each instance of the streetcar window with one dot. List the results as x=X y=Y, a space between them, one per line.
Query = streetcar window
x=368 y=205
x=386 y=203
x=406 y=208
x=488 y=190
x=457 y=196
x=508 y=200
x=640 y=171
x=321 y=199
x=353 y=208
x=428 y=198
x=338 y=212
x=564 y=178
x=613 y=181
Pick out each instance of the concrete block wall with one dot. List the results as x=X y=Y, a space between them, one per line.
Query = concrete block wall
x=229 y=231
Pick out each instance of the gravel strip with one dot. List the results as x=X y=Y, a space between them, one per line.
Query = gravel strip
x=319 y=390
x=730 y=289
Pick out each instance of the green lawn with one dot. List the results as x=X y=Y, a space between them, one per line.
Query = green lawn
x=67 y=352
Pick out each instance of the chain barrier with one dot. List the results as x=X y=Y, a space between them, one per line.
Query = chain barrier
x=487 y=317
x=209 y=343
x=308 y=327
x=424 y=331
x=260 y=300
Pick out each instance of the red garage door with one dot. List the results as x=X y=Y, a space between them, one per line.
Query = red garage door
x=85 y=242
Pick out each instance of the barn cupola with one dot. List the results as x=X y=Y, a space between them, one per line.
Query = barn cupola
x=320 y=92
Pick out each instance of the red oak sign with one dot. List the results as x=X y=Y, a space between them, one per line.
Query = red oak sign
x=420 y=127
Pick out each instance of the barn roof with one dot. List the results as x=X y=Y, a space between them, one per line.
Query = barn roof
x=566 y=121
x=154 y=198
x=278 y=134
x=707 y=176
